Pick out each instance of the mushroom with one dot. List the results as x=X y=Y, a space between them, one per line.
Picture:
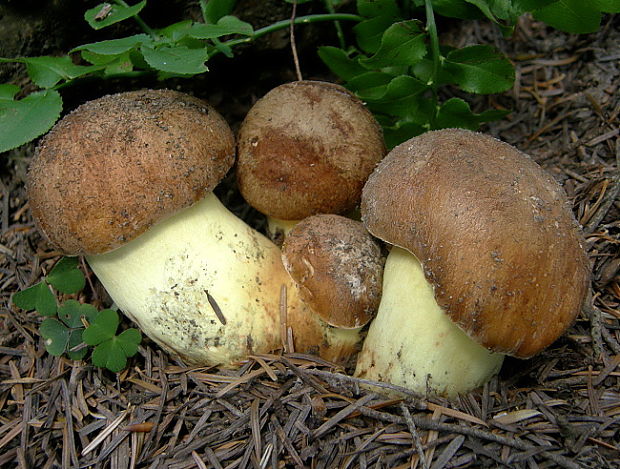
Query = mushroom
x=487 y=261
x=338 y=267
x=127 y=181
x=305 y=148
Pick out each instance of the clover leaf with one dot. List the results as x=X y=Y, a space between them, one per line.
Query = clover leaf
x=65 y=276
x=37 y=297
x=111 y=350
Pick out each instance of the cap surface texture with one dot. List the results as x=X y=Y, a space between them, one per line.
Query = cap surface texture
x=494 y=232
x=307 y=147
x=338 y=267
x=118 y=164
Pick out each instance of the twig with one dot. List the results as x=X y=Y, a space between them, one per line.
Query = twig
x=610 y=197
x=594 y=314
x=414 y=435
x=427 y=424
x=293 y=44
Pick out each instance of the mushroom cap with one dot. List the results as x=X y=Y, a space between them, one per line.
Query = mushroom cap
x=307 y=147
x=494 y=232
x=338 y=267
x=116 y=165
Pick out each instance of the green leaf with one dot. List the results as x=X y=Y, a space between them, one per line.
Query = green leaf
x=113 y=64
x=56 y=336
x=374 y=8
x=24 y=120
x=48 y=71
x=226 y=25
x=370 y=85
x=401 y=132
x=72 y=312
x=456 y=9
x=216 y=9
x=176 y=31
x=110 y=355
x=480 y=69
x=456 y=113
x=8 y=91
x=401 y=97
x=102 y=328
x=38 y=297
x=607 y=6
x=106 y=14
x=129 y=340
x=66 y=277
x=115 y=46
x=571 y=16
x=180 y=60
x=369 y=33
x=402 y=44
x=75 y=339
x=340 y=63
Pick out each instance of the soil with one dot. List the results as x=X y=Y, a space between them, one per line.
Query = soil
x=558 y=409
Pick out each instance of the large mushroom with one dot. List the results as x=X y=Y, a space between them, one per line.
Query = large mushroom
x=127 y=180
x=338 y=267
x=305 y=148
x=487 y=260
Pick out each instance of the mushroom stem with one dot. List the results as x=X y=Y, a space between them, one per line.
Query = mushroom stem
x=206 y=287
x=278 y=229
x=412 y=343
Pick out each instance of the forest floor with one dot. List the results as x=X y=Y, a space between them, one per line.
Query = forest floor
x=558 y=409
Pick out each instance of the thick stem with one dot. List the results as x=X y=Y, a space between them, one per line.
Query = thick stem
x=412 y=343
x=206 y=287
x=278 y=229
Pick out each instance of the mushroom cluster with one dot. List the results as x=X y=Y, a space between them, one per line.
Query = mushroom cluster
x=487 y=260
x=126 y=180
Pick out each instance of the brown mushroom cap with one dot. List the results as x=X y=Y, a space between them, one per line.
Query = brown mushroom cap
x=338 y=267
x=305 y=148
x=493 y=230
x=116 y=165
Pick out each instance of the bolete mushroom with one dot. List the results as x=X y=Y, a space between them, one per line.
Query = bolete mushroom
x=338 y=267
x=487 y=260
x=126 y=180
x=305 y=148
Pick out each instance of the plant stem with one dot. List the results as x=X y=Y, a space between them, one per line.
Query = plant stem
x=145 y=27
x=203 y=10
x=329 y=5
x=283 y=24
x=431 y=27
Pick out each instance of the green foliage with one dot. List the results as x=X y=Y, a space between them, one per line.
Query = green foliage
x=396 y=62
x=107 y=14
x=22 y=120
x=111 y=350
x=71 y=327
x=398 y=67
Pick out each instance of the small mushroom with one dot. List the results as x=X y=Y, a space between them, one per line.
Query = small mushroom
x=127 y=181
x=338 y=267
x=487 y=260
x=305 y=148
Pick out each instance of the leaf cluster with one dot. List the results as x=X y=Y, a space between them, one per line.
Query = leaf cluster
x=397 y=62
x=180 y=49
x=398 y=66
x=71 y=327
